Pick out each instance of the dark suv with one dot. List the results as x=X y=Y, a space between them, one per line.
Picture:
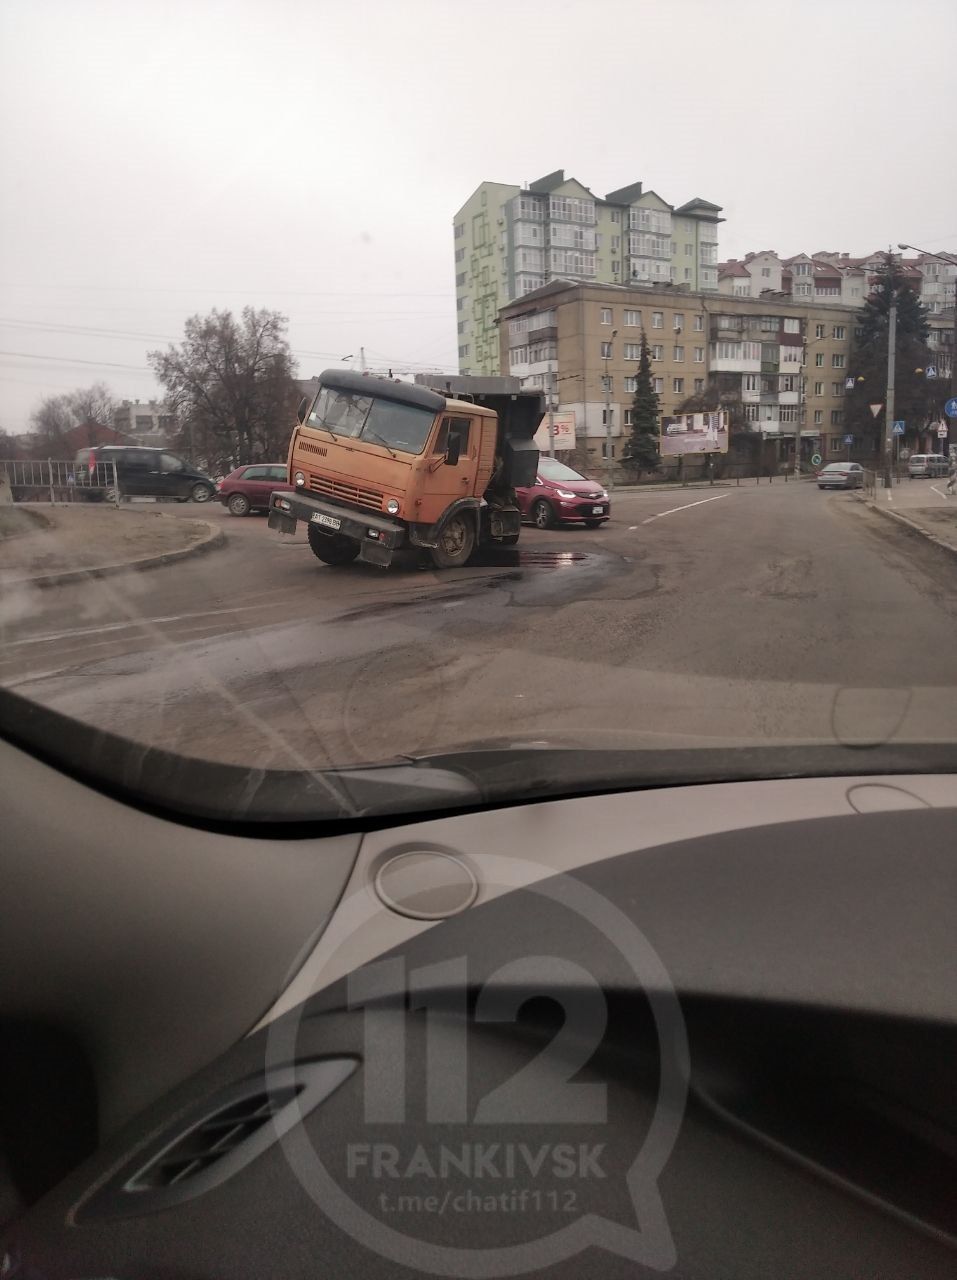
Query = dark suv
x=148 y=473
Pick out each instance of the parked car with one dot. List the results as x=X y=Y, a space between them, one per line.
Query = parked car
x=841 y=475
x=920 y=465
x=150 y=473
x=248 y=488
x=563 y=496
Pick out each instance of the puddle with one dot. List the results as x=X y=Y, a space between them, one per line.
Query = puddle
x=513 y=557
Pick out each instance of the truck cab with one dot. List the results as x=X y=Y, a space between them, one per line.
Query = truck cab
x=376 y=465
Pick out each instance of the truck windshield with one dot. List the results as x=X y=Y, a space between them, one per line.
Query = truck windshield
x=403 y=427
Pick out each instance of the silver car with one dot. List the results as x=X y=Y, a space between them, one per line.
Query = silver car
x=927 y=464
x=841 y=475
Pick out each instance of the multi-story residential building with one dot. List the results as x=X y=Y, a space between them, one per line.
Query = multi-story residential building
x=149 y=423
x=774 y=361
x=510 y=241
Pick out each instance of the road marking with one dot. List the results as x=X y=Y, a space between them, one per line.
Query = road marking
x=79 y=632
x=936 y=490
x=699 y=503
x=632 y=528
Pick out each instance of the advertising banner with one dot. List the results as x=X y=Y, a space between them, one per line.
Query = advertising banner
x=694 y=433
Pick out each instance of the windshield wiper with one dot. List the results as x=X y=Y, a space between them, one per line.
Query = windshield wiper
x=381 y=440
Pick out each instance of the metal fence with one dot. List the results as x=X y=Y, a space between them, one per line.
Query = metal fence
x=54 y=481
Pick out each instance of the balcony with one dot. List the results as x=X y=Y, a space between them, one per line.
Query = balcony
x=733 y=364
x=770 y=366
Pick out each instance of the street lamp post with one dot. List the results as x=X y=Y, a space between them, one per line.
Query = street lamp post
x=609 y=480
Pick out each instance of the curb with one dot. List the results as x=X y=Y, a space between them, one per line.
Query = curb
x=215 y=538
x=912 y=525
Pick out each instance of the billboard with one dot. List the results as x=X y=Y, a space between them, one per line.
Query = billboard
x=563 y=425
x=694 y=433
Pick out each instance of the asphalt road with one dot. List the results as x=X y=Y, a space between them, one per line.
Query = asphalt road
x=765 y=613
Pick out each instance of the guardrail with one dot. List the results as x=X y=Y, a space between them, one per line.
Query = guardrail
x=34 y=480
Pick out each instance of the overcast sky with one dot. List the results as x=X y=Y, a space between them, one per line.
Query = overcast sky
x=159 y=160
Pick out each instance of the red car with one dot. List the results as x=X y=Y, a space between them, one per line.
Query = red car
x=561 y=496
x=248 y=488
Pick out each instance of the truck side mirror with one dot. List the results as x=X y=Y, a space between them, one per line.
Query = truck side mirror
x=454 y=451
x=302 y=410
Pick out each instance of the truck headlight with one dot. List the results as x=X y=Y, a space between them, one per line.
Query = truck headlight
x=299 y=479
x=392 y=507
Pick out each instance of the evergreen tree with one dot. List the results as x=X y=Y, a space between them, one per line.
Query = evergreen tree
x=914 y=394
x=641 y=447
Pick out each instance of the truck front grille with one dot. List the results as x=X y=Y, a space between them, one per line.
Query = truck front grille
x=345 y=492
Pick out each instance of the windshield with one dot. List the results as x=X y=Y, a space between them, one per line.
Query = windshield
x=687 y=362
x=398 y=426
x=550 y=469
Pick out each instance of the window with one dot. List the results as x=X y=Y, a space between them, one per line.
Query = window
x=837 y=417
x=752 y=351
x=631 y=384
x=518 y=355
x=819 y=388
x=616 y=215
x=633 y=319
x=752 y=412
x=606 y=315
x=615 y=266
x=819 y=331
x=571 y=208
x=678 y=321
x=170 y=463
x=699 y=355
x=464 y=349
x=678 y=386
x=802 y=269
x=659 y=385
x=792 y=324
x=626 y=418
x=689 y=250
x=742 y=291
x=837 y=360
x=788 y=382
x=615 y=244
x=679 y=354
x=657 y=353
x=802 y=290
x=606 y=351
x=819 y=360
x=604 y=447
x=456 y=428
x=837 y=388
x=657 y=320
x=608 y=384
x=632 y=350
x=688 y=276
x=460 y=280
x=839 y=332
x=750 y=382
x=607 y=418
x=765 y=271
x=699 y=324
x=827 y=291
x=459 y=230
x=460 y=304
x=837 y=444
x=818 y=417
x=698 y=385
x=460 y=255
x=790 y=413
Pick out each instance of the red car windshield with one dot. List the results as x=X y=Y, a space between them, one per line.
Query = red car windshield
x=550 y=469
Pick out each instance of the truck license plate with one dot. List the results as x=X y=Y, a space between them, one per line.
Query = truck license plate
x=598 y=511
x=331 y=522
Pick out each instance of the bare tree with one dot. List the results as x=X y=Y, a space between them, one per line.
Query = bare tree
x=51 y=420
x=56 y=415
x=94 y=405
x=230 y=383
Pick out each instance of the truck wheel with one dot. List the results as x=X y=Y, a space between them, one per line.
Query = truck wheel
x=332 y=548
x=456 y=542
x=542 y=514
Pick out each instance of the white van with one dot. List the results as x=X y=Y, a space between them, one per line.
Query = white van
x=927 y=464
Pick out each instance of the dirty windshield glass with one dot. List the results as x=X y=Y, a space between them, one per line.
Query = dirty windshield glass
x=739 y=396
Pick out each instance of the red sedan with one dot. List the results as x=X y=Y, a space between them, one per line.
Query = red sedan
x=248 y=488
x=561 y=495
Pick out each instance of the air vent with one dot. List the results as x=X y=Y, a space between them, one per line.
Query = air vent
x=212 y=1143
x=211 y=1140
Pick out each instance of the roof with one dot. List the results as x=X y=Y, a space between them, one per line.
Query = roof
x=548 y=183
x=625 y=195
x=732 y=268
x=94 y=433
x=700 y=208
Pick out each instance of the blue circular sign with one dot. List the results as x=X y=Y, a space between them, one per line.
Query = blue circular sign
x=950 y=408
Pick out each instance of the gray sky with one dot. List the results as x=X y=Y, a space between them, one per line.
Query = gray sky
x=157 y=161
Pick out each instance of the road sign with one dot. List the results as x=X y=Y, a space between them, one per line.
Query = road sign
x=941 y=432
x=898 y=428
x=848 y=439
x=876 y=409
x=816 y=459
x=848 y=384
x=931 y=371
x=950 y=408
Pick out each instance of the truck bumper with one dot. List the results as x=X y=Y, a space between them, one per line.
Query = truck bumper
x=377 y=535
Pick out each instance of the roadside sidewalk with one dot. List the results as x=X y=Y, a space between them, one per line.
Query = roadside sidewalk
x=47 y=546
x=925 y=510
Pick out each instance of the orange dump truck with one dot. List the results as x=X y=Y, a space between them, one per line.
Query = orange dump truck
x=377 y=465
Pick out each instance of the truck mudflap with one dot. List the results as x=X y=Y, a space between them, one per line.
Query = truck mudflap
x=377 y=535
x=427 y=535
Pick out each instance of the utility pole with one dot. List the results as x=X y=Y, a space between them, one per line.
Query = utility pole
x=802 y=401
x=551 y=414
x=888 y=435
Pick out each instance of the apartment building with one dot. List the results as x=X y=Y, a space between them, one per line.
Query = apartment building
x=145 y=422
x=510 y=241
x=580 y=343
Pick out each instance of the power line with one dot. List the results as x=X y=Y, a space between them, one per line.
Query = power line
x=63 y=361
